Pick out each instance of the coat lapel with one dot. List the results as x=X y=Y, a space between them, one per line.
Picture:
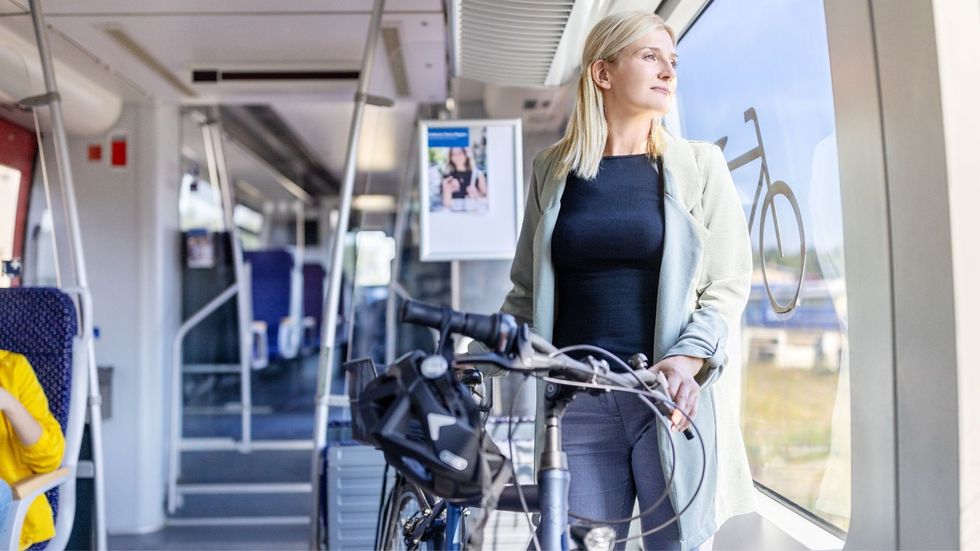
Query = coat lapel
x=684 y=238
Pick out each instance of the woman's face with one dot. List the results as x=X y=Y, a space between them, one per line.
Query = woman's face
x=458 y=157
x=643 y=78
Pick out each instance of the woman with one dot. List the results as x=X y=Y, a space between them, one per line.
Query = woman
x=461 y=179
x=31 y=441
x=635 y=241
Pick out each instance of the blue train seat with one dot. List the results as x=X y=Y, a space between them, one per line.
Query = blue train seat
x=41 y=324
x=271 y=284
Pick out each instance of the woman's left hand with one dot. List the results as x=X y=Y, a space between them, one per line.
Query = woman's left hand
x=683 y=389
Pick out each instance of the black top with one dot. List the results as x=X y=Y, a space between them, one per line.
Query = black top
x=463 y=177
x=606 y=250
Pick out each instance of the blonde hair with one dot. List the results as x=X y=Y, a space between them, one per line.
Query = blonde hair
x=580 y=149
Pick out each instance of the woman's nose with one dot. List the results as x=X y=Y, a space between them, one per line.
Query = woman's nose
x=668 y=72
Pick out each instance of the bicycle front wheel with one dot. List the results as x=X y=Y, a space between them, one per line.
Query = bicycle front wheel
x=402 y=512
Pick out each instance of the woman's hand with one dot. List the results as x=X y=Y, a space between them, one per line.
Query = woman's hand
x=450 y=185
x=683 y=389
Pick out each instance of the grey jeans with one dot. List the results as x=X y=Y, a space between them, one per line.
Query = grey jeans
x=613 y=459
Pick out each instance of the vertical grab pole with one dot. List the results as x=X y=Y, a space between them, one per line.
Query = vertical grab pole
x=81 y=274
x=328 y=353
x=296 y=288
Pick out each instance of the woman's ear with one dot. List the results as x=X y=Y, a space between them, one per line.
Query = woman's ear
x=600 y=74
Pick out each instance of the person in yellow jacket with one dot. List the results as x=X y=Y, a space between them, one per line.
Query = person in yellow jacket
x=31 y=441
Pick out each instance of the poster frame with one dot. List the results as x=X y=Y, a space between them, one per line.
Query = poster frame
x=506 y=249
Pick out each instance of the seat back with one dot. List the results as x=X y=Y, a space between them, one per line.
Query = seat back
x=271 y=281
x=41 y=324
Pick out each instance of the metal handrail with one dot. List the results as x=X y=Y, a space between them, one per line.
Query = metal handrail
x=332 y=303
x=77 y=252
x=176 y=392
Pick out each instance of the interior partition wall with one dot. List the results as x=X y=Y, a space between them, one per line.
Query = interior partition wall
x=898 y=190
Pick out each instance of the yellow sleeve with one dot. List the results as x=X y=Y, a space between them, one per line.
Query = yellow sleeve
x=46 y=454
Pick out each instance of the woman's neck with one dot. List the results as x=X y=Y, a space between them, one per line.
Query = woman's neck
x=627 y=134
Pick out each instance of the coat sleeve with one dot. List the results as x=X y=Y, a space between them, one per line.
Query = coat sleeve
x=46 y=454
x=520 y=300
x=726 y=275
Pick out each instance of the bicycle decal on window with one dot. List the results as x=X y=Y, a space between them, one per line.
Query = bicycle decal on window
x=773 y=189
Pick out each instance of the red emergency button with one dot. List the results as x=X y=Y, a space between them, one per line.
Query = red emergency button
x=117 y=152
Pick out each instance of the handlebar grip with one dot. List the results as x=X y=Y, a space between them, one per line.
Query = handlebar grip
x=419 y=313
x=497 y=331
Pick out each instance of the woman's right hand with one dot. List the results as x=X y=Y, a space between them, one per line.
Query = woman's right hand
x=684 y=390
x=450 y=185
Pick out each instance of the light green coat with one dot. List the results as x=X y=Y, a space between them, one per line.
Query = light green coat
x=704 y=284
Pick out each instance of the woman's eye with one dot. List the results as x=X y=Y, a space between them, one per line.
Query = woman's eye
x=650 y=57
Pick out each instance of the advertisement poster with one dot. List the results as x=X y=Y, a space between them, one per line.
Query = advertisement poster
x=472 y=193
x=200 y=248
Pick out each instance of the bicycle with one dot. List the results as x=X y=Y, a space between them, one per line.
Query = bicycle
x=773 y=189
x=410 y=517
x=513 y=347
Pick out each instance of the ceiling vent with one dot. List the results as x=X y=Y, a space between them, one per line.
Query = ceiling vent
x=277 y=78
x=518 y=42
x=214 y=75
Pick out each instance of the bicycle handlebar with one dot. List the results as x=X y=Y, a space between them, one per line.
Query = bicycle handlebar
x=500 y=333
x=646 y=379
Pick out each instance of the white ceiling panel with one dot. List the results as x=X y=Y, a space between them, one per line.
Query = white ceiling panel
x=8 y=7
x=93 y=7
x=280 y=41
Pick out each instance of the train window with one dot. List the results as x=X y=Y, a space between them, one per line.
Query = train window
x=9 y=196
x=249 y=223
x=374 y=253
x=755 y=79
x=199 y=204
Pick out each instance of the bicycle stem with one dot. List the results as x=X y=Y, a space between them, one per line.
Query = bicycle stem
x=553 y=475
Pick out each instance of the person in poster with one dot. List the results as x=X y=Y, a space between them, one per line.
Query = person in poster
x=457 y=171
x=463 y=185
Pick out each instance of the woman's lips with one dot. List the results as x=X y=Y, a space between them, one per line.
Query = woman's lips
x=663 y=91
